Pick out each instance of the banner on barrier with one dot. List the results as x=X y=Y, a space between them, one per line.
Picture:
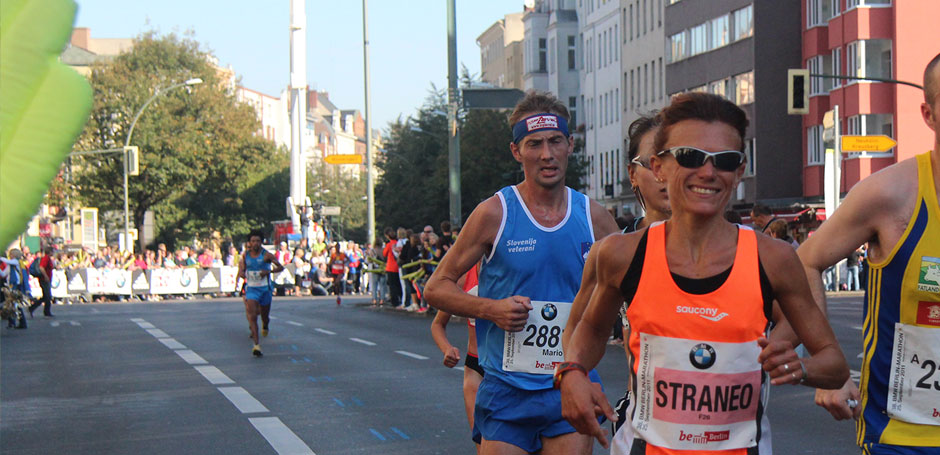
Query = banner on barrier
x=174 y=281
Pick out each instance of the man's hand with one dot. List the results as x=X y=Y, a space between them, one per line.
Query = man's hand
x=780 y=361
x=582 y=401
x=837 y=401
x=264 y=273
x=451 y=357
x=511 y=313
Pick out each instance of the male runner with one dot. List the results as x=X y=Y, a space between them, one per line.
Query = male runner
x=255 y=269
x=895 y=210
x=533 y=238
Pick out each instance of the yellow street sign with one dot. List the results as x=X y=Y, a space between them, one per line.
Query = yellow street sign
x=343 y=159
x=878 y=143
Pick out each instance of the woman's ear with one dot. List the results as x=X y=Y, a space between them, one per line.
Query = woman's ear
x=656 y=166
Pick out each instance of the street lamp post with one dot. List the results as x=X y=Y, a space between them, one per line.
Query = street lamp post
x=127 y=142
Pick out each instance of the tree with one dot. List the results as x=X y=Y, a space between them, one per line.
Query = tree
x=201 y=168
x=329 y=185
x=413 y=188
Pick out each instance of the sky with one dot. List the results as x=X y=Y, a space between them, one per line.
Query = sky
x=407 y=42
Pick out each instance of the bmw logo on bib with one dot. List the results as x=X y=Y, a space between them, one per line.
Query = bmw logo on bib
x=549 y=312
x=702 y=356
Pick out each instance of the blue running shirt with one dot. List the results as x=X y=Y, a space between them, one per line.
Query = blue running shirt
x=531 y=260
x=253 y=266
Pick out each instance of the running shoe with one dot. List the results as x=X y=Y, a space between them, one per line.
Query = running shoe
x=256 y=351
x=264 y=332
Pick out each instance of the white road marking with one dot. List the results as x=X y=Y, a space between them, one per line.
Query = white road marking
x=412 y=355
x=281 y=438
x=365 y=342
x=295 y=323
x=242 y=400
x=861 y=355
x=158 y=333
x=146 y=325
x=213 y=374
x=325 y=331
x=190 y=357
x=171 y=343
x=858 y=327
x=75 y=323
x=54 y=323
x=458 y=368
x=136 y=319
x=855 y=375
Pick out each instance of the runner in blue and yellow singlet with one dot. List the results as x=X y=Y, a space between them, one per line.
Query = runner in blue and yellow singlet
x=897 y=213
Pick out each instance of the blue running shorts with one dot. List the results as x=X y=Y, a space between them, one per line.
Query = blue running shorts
x=261 y=295
x=519 y=417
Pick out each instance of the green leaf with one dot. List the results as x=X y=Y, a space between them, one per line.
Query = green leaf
x=43 y=105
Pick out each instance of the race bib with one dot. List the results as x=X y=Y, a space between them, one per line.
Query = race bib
x=914 y=387
x=255 y=280
x=695 y=395
x=537 y=348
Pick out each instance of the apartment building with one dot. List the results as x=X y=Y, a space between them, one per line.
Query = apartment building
x=599 y=22
x=273 y=113
x=643 y=80
x=741 y=49
x=865 y=38
x=501 y=52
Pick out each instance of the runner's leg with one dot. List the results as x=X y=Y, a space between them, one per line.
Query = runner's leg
x=471 y=382
x=500 y=448
x=571 y=443
x=251 y=312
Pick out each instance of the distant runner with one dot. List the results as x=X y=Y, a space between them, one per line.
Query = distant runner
x=255 y=269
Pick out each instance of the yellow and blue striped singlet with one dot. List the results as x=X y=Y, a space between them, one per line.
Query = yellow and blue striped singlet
x=900 y=383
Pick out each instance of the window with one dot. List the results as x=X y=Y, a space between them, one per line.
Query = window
x=719 y=32
x=837 y=67
x=644 y=17
x=646 y=84
x=868 y=58
x=630 y=34
x=849 y=4
x=820 y=64
x=542 y=51
x=835 y=7
x=743 y=22
x=870 y=125
x=814 y=146
x=817 y=12
x=677 y=47
x=744 y=88
x=619 y=165
x=698 y=39
x=551 y=55
x=573 y=111
x=632 y=91
x=662 y=78
x=653 y=80
x=571 y=52
x=720 y=87
x=600 y=51
x=617 y=104
x=750 y=151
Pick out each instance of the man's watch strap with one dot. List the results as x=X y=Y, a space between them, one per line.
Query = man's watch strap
x=563 y=368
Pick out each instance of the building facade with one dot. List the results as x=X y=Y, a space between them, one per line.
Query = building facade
x=736 y=48
x=273 y=113
x=865 y=38
x=642 y=80
x=501 y=52
x=600 y=94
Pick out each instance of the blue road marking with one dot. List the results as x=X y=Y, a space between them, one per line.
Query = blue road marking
x=340 y=403
x=377 y=434
x=294 y=347
x=292 y=360
x=400 y=433
x=307 y=360
x=356 y=400
x=327 y=379
x=312 y=379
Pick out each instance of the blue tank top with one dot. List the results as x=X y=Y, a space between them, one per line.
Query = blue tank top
x=531 y=260
x=255 y=265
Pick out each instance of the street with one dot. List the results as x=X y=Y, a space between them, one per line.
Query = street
x=178 y=377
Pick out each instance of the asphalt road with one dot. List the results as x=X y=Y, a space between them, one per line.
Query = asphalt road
x=178 y=377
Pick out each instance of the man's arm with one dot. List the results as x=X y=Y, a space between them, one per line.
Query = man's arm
x=826 y=368
x=586 y=345
x=277 y=267
x=476 y=239
x=241 y=268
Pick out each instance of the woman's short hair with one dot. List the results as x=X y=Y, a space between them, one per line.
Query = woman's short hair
x=706 y=107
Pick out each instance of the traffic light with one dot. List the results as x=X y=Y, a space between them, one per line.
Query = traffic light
x=133 y=165
x=798 y=91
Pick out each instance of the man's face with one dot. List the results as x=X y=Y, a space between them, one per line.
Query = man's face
x=931 y=111
x=254 y=244
x=544 y=157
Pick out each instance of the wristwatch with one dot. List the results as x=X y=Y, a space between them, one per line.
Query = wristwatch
x=564 y=367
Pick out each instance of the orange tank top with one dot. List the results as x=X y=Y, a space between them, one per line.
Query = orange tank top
x=697 y=385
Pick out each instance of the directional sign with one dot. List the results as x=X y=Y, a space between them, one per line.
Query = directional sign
x=343 y=159
x=879 y=143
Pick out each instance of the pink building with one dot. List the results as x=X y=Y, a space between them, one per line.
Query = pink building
x=892 y=39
